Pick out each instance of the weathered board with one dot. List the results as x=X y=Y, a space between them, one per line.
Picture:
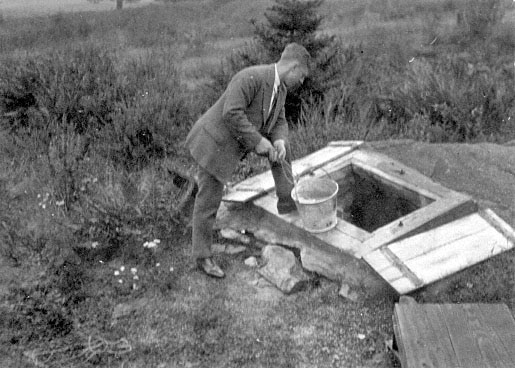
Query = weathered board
x=454 y=335
x=345 y=236
x=258 y=185
x=419 y=260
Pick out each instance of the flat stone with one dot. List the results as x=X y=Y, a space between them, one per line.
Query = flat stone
x=347 y=293
x=231 y=249
x=251 y=262
x=232 y=234
x=217 y=248
x=282 y=269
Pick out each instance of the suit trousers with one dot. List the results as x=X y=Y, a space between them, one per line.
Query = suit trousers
x=209 y=197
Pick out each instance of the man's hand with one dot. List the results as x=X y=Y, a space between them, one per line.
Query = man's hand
x=265 y=148
x=280 y=149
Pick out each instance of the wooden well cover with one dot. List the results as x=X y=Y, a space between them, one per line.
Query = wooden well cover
x=427 y=257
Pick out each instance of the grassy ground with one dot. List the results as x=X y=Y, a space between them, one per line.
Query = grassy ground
x=77 y=286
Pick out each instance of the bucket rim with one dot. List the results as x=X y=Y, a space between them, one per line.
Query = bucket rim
x=302 y=201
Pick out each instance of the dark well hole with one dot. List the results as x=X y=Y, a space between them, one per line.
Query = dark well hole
x=370 y=202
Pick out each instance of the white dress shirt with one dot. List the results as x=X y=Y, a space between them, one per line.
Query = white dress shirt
x=277 y=82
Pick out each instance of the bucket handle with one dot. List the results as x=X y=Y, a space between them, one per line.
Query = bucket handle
x=291 y=179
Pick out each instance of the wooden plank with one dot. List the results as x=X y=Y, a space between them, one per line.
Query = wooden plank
x=345 y=143
x=491 y=348
x=499 y=224
x=403 y=285
x=416 y=337
x=341 y=241
x=391 y=274
x=341 y=237
x=403 y=268
x=462 y=253
x=400 y=339
x=440 y=340
x=464 y=344
x=258 y=185
x=378 y=260
x=502 y=324
x=352 y=230
x=454 y=335
x=424 y=243
x=393 y=168
x=402 y=185
x=422 y=217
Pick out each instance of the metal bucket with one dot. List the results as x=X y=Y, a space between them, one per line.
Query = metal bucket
x=315 y=199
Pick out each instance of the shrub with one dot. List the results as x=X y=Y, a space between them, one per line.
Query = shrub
x=476 y=18
x=251 y=54
x=153 y=118
x=467 y=100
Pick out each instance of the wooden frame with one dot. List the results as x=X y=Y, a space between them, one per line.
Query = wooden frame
x=440 y=215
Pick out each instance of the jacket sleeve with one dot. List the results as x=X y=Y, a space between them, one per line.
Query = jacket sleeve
x=240 y=93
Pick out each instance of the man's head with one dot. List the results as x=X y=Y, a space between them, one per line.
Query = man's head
x=293 y=66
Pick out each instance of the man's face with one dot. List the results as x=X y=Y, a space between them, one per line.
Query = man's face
x=295 y=76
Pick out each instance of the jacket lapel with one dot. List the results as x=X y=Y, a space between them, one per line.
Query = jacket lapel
x=267 y=90
x=281 y=97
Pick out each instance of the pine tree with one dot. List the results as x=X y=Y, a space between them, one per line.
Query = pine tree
x=298 y=21
x=292 y=21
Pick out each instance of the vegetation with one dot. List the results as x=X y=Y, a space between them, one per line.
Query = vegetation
x=93 y=111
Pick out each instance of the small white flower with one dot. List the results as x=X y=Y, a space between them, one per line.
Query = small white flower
x=171 y=269
x=158 y=264
x=157 y=241
x=120 y=281
x=43 y=206
x=122 y=268
x=150 y=245
x=134 y=270
x=134 y=287
x=94 y=245
x=60 y=203
x=39 y=195
x=116 y=273
x=361 y=336
x=135 y=277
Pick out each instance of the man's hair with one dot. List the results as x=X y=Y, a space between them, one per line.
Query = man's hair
x=295 y=52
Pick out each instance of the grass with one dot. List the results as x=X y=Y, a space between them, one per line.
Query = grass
x=95 y=105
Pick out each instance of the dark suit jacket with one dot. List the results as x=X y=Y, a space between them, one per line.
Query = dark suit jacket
x=235 y=124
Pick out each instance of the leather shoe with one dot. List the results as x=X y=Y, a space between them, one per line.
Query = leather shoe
x=209 y=266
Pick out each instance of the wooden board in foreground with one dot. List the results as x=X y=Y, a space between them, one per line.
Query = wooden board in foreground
x=419 y=260
x=454 y=335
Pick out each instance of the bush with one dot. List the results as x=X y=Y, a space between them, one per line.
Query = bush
x=476 y=18
x=463 y=99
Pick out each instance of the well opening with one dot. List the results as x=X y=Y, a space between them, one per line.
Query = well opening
x=370 y=201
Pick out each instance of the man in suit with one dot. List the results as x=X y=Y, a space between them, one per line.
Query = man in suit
x=249 y=116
